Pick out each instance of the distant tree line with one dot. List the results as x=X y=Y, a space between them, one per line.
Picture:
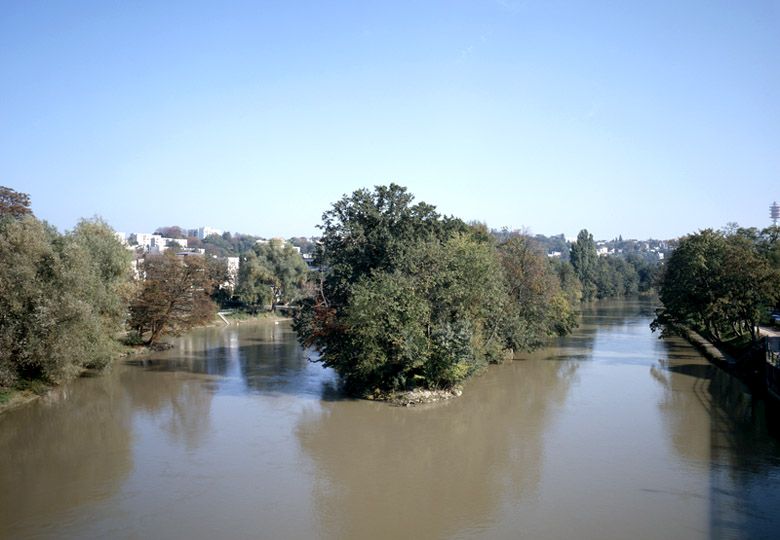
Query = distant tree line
x=628 y=269
x=651 y=250
x=610 y=275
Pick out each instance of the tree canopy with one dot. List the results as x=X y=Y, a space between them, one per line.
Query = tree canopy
x=718 y=283
x=408 y=298
x=584 y=259
x=172 y=297
x=269 y=274
x=13 y=203
x=62 y=298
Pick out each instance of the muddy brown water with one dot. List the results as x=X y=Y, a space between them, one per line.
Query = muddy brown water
x=609 y=433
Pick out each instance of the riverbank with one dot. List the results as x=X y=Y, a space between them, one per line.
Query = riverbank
x=241 y=317
x=32 y=390
x=713 y=353
x=11 y=399
x=741 y=386
x=745 y=363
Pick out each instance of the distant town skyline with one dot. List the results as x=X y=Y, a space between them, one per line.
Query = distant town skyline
x=635 y=119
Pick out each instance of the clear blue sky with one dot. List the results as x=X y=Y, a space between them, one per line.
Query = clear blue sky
x=633 y=118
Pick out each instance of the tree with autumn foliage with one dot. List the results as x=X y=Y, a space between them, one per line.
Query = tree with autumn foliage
x=539 y=306
x=172 y=297
x=13 y=203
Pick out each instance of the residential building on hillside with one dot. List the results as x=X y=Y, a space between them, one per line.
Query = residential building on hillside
x=203 y=232
x=147 y=240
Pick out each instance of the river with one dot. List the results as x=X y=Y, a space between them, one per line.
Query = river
x=608 y=433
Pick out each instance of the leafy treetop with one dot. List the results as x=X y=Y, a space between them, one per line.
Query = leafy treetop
x=13 y=203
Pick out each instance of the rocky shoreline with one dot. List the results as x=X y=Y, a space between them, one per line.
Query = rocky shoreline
x=418 y=396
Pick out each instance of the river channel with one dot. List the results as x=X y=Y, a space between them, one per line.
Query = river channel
x=608 y=433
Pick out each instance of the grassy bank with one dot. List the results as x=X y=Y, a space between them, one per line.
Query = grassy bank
x=26 y=392
x=244 y=317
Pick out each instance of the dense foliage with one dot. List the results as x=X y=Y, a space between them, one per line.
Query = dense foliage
x=584 y=259
x=720 y=284
x=542 y=297
x=173 y=296
x=13 y=203
x=403 y=297
x=610 y=275
x=62 y=298
x=270 y=273
x=408 y=298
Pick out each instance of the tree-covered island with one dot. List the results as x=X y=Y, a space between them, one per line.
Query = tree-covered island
x=406 y=298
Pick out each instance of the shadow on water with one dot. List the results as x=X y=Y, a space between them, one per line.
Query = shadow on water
x=711 y=417
x=692 y=370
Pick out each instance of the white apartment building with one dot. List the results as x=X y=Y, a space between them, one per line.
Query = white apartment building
x=203 y=232
x=147 y=240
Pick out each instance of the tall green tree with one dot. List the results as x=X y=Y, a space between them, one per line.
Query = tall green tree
x=254 y=279
x=689 y=286
x=103 y=270
x=584 y=259
x=569 y=282
x=400 y=287
x=371 y=230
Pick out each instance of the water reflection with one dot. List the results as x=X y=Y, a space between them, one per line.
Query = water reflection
x=178 y=405
x=385 y=472
x=77 y=448
x=257 y=358
x=71 y=450
x=712 y=419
